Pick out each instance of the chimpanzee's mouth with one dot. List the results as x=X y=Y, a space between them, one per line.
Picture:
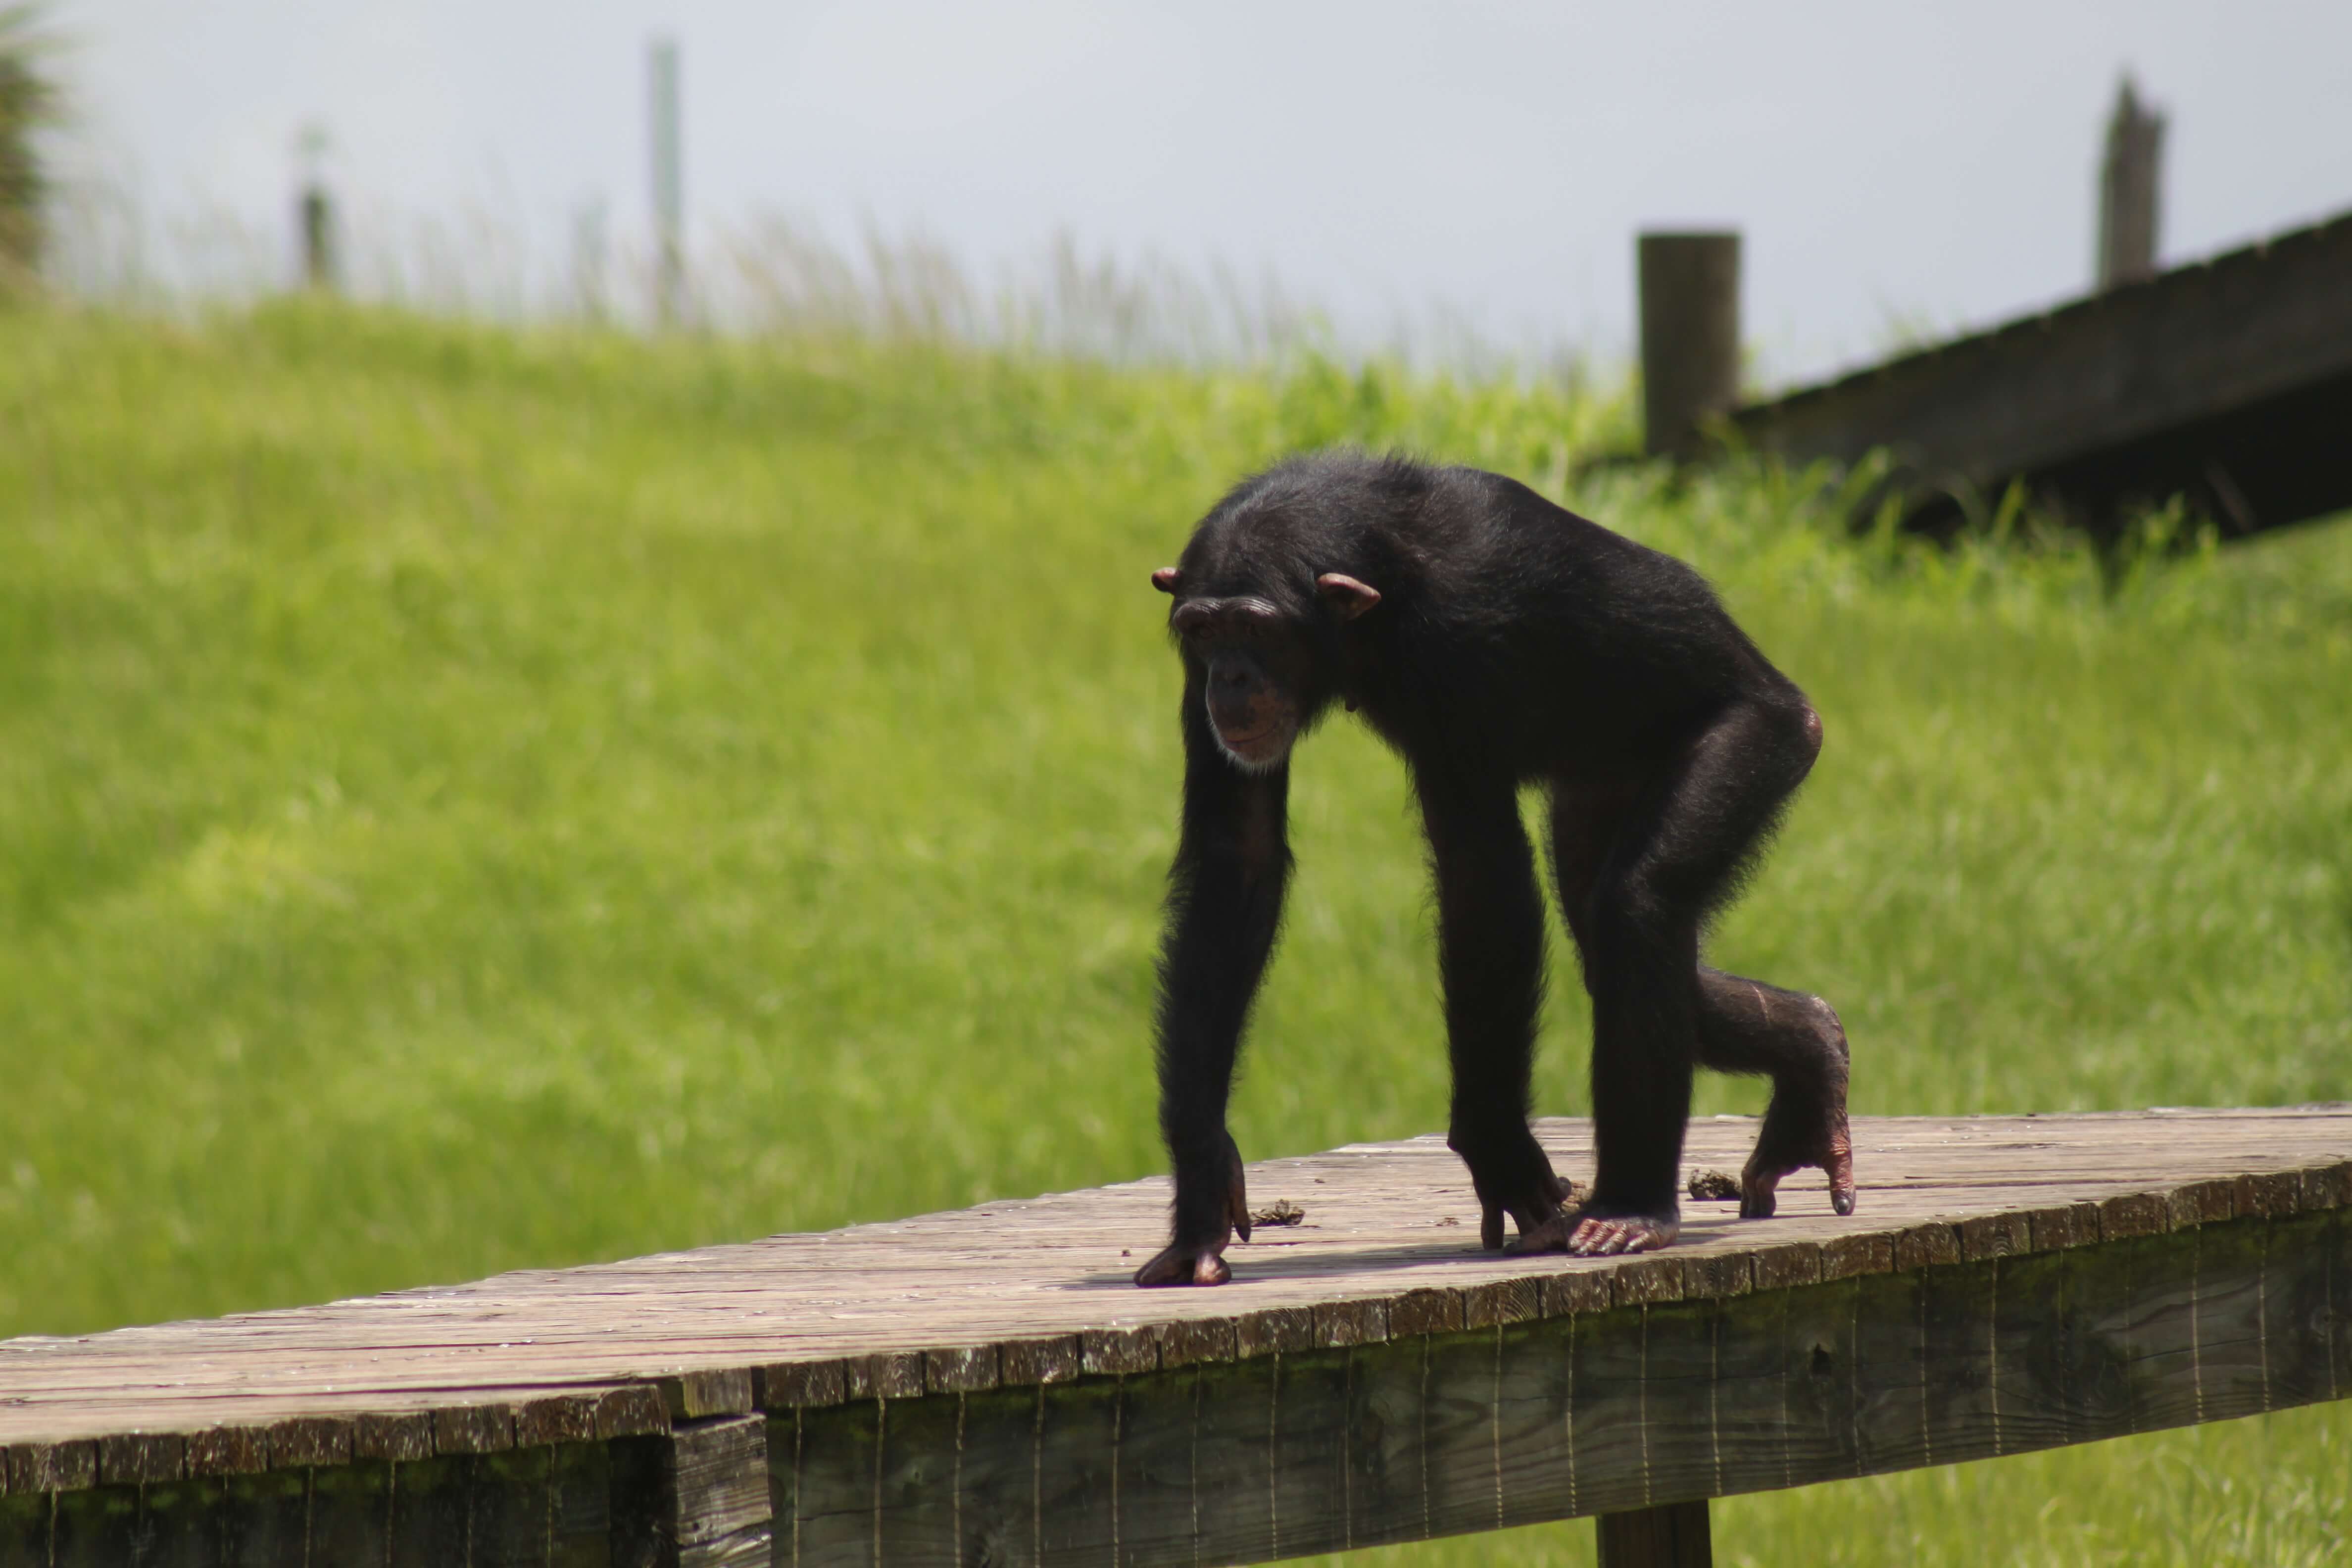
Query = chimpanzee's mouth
x=1260 y=747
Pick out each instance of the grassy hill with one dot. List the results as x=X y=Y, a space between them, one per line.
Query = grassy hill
x=472 y=799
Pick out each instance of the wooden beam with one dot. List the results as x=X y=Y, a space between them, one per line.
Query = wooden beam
x=2240 y=367
x=1621 y=1411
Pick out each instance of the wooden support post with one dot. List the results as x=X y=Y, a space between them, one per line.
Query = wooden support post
x=2130 y=182
x=317 y=216
x=1675 y=1536
x=1690 y=338
x=669 y=186
x=589 y=249
x=696 y=1497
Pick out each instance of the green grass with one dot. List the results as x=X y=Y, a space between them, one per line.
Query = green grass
x=471 y=800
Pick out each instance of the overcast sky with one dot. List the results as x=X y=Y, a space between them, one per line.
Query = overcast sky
x=1886 y=161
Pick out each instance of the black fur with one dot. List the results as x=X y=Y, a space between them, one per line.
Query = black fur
x=1512 y=642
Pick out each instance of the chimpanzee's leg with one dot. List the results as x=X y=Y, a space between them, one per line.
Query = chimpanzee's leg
x=1637 y=880
x=1746 y=1026
x=1490 y=956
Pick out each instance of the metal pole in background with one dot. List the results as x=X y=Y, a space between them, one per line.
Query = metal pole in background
x=669 y=187
x=2130 y=182
x=1690 y=338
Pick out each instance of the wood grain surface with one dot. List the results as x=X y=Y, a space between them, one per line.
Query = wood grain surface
x=985 y=1386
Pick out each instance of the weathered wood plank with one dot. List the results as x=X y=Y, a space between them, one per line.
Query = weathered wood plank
x=430 y=1512
x=1074 y=1482
x=2012 y=1283
x=1461 y=1380
x=1610 y=1414
x=836 y=1472
x=714 y=1493
x=1232 y=1502
x=918 y=1496
x=266 y=1520
x=1159 y=1436
x=180 y=1524
x=1623 y=1409
x=24 y=1529
x=25 y=1520
x=351 y=1512
x=1388 y=1427
x=803 y=1308
x=507 y=1509
x=580 y=1506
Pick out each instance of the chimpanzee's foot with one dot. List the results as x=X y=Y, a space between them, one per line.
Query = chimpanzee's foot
x=1804 y=1127
x=1599 y=1235
x=1588 y=1234
x=1202 y=1262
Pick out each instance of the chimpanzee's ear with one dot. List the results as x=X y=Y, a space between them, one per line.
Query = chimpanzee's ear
x=1346 y=595
x=1165 y=579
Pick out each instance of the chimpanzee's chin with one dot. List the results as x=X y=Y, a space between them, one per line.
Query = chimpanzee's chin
x=1258 y=754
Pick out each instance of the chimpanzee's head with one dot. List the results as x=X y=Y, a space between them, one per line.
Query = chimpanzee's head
x=1267 y=670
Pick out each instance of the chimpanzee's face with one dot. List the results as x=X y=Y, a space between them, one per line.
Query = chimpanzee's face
x=1256 y=668
x=1263 y=677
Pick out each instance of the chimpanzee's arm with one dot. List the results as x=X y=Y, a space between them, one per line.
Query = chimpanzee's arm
x=1225 y=904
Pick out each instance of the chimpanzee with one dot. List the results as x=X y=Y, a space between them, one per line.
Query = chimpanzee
x=1492 y=639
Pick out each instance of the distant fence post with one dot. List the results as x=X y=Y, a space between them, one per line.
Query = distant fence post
x=1690 y=337
x=669 y=186
x=316 y=213
x=589 y=298
x=2130 y=182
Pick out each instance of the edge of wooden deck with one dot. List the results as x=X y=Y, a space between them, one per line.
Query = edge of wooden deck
x=494 y=1420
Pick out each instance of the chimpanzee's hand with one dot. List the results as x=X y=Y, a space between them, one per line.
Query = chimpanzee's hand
x=1805 y=1124
x=1531 y=1215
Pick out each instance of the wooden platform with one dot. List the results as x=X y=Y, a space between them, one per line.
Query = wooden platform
x=986 y=1385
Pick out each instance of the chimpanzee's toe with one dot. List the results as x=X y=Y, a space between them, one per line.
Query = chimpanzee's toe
x=1759 y=1190
x=1605 y=1236
x=1841 y=1171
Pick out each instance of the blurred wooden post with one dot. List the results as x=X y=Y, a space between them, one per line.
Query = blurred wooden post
x=1690 y=338
x=1674 y=1536
x=670 y=190
x=316 y=213
x=588 y=252
x=2130 y=182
